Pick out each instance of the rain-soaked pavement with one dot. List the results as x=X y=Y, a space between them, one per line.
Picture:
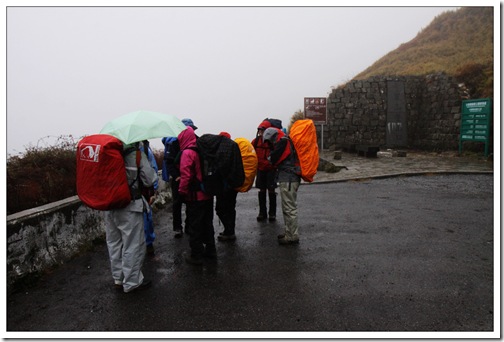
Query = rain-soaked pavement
x=377 y=257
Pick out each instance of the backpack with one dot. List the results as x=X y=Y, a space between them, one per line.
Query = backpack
x=249 y=161
x=221 y=164
x=101 y=174
x=170 y=154
x=303 y=135
x=276 y=123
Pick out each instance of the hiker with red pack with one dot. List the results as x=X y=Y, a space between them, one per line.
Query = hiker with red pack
x=111 y=176
x=199 y=205
x=265 y=178
x=125 y=226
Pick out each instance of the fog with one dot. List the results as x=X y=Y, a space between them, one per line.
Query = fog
x=72 y=69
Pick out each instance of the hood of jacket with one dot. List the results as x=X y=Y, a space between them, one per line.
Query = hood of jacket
x=187 y=138
x=270 y=134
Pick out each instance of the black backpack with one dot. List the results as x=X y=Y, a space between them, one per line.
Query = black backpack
x=221 y=164
x=275 y=122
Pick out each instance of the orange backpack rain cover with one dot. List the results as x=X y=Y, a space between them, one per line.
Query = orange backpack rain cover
x=101 y=173
x=249 y=159
x=304 y=137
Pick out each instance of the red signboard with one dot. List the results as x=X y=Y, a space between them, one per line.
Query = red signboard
x=315 y=108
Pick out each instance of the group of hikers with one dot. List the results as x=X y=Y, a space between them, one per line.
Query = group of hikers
x=128 y=243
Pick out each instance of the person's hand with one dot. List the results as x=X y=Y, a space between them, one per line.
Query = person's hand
x=153 y=197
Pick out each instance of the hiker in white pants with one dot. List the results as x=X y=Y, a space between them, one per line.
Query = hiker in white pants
x=124 y=228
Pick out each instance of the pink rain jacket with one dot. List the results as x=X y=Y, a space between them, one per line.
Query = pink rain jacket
x=190 y=168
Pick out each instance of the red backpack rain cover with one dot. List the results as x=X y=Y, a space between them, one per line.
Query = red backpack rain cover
x=101 y=173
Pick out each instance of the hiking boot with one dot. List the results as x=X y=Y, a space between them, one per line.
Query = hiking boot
x=226 y=237
x=193 y=260
x=262 y=206
x=150 y=250
x=272 y=206
x=284 y=241
x=210 y=252
x=178 y=234
x=261 y=217
x=118 y=287
x=145 y=284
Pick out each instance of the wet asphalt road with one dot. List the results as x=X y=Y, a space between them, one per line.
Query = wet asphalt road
x=399 y=255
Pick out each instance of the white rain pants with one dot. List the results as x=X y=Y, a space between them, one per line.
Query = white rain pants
x=126 y=244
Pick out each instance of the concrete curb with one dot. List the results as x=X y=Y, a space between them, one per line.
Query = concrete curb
x=397 y=174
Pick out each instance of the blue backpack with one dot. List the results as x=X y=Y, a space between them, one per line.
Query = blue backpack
x=171 y=151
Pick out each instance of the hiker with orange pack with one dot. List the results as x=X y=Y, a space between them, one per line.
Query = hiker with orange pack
x=283 y=158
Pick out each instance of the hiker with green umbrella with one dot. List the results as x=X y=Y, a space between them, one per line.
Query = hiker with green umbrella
x=124 y=227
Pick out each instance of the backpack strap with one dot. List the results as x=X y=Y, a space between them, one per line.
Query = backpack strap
x=294 y=156
x=138 y=157
x=195 y=184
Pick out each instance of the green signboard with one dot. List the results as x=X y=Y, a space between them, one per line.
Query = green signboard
x=475 y=122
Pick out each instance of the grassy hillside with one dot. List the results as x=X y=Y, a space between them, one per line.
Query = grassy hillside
x=459 y=43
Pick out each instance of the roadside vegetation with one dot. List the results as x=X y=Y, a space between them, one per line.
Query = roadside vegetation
x=41 y=175
x=44 y=174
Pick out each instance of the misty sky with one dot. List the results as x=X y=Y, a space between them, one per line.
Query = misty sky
x=72 y=69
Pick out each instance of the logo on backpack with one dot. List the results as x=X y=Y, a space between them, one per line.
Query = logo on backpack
x=90 y=152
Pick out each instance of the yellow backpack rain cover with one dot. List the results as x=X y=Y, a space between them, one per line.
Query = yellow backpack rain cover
x=304 y=136
x=249 y=159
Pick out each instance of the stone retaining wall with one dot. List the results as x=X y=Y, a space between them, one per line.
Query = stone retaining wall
x=357 y=112
x=43 y=237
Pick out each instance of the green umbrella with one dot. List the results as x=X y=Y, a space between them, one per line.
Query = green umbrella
x=143 y=125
